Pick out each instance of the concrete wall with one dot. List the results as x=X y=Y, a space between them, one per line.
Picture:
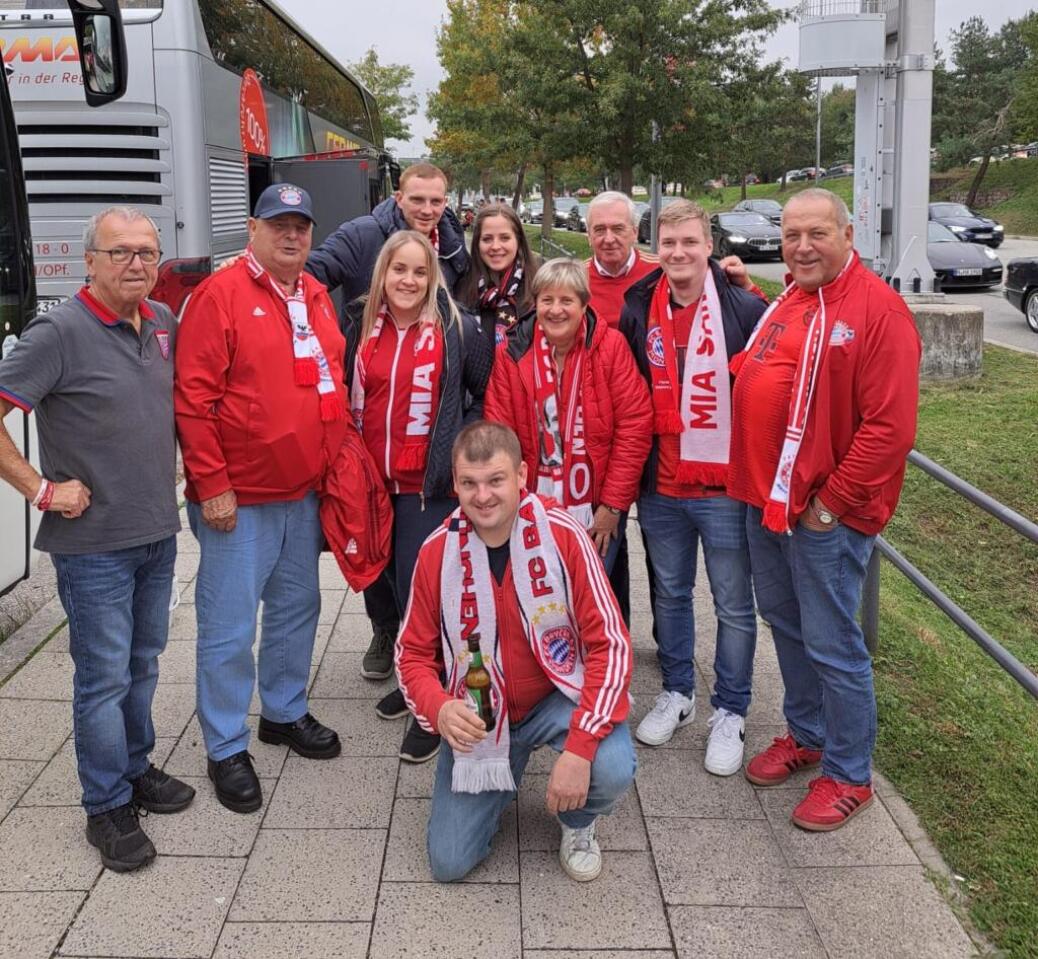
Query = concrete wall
x=953 y=339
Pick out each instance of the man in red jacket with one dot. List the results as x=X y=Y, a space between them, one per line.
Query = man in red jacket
x=261 y=411
x=510 y=591
x=824 y=413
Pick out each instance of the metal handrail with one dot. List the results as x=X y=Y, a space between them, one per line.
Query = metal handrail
x=820 y=9
x=951 y=609
x=557 y=249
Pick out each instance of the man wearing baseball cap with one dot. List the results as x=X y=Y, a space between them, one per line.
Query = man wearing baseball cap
x=260 y=410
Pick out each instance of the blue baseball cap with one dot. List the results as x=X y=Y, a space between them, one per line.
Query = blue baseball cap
x=283 y=198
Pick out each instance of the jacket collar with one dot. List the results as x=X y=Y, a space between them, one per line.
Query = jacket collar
x=104 y=315
x=836 y=288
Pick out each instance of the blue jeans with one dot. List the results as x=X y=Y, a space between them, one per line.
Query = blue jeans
x=672 y=529
x=462 y=825
x=808 y=589
x=118 y=619
x=270 y=555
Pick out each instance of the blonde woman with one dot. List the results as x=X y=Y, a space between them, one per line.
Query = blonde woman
x=416 y=369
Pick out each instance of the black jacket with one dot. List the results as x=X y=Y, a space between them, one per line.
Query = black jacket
x=740 y=311
x=347 y=257
x=467 y=360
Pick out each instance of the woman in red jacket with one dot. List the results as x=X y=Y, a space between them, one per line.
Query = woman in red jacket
x=569 y=387
x=497 y=286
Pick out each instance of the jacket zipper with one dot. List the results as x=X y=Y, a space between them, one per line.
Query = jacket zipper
x=400 y=334
x=436 y=419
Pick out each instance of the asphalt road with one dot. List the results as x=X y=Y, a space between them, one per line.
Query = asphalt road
x=1003 y=323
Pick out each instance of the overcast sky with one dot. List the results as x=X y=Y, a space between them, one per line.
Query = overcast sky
x=404 y=31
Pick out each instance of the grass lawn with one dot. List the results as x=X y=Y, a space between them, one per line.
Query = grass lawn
x=957 y=736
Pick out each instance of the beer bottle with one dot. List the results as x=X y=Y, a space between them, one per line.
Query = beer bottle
x=477 y=681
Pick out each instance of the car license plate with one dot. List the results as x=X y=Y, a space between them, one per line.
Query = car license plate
x=982 y=236
x=970 y=271
x=44 y=304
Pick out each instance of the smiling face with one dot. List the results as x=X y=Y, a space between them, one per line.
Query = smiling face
x=814 y=245
x=282 y=244
x=122 y=287
x=421 y=201
x=497 y=244
x=407 y=282
x=489 y=494
x=612 y=234
x=684 y=249
x=559 y=312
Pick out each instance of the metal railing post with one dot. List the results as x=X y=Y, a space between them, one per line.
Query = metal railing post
x=870 y=604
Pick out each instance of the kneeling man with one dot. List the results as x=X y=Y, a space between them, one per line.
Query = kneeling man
x=510 y=602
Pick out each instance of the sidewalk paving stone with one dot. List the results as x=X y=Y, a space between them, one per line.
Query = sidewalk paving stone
x=33 y=729
x=189 y=757
x=34 y=922
x=888 y=913
x=314 y=875
x=16 y=775
x=339 y=678
x=429 y=921
x=171 y=709
x=597 y=954
x=673 y=782
x=48 y=675
x=734 y=932
x=621 y=909
x=173 y=908
x=415 y=780
x=362 y=732
x=177 y=664
x=293 y=940
x=704 y=862
x=352 y=632
x=45 y=849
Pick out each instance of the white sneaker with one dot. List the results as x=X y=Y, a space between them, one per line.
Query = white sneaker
x=725 y=747
x=579 y=853
x=671 y=711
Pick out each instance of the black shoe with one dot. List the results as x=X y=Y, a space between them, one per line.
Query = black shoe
x=378 y=660
x=305 y=736
x=118 y=836
x=158 y=792
x=391 y=706
x=236 y=782
x=419 y=746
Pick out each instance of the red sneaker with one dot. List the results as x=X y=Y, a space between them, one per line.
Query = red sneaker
x=781 y=758
x=829 y=804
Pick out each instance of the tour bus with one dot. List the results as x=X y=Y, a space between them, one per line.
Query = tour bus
x=101 y=76
x=224 y=98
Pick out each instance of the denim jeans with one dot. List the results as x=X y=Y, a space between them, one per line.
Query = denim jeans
x=673 y=528
x=808 y=588
x=462 y=825
x=271 y=555
x=118 y=618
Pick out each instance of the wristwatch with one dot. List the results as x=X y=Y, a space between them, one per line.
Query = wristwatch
x=824 y=516
x=613 y=510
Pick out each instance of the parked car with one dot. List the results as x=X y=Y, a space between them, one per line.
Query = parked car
x=562 y=205
x=1021 y=288
x=532 y=212
x=959 y=264
x=840 y=169
x=645 y=223
x=577 y=218
x=772 y=209
x=792 y=176
x=466 y=215
x=745 y=234
x=967 y=225
x=810 y=173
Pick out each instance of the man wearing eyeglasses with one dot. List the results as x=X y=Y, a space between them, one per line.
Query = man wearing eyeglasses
x=98 y=371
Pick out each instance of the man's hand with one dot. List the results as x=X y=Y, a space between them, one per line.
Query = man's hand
x=603 y=529
x=568 y=783
x=460 y=726
x=70 y=499
x=809 y=518
x=221 y=512
x=736 y=271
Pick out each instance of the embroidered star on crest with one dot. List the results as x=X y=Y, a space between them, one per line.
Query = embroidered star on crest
x=542 y=611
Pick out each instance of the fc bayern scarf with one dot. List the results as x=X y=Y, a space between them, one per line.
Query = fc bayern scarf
x=310 y=366
x=501 y=298
x=812 y=352
x=425 y=388
x=701 y=415
x=564 y=467
x=467 y=607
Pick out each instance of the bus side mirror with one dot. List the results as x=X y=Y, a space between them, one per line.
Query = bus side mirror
x=102 y=49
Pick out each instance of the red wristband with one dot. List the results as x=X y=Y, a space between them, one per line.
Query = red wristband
x=45 y=499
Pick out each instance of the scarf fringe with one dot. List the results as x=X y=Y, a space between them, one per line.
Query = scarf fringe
x=306 y=371
x=774 y=518
x=667 y=422
x=692 y=473
x=332 y=408
x=412 y=456
x=483 y=775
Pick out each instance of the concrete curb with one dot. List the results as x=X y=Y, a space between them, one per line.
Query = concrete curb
x=30 y=595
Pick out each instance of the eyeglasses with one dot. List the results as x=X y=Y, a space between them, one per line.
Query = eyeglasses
x=121 y=255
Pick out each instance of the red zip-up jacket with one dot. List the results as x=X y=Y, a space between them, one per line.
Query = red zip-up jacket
x=862 y=421
x=617 y=409
x=243 y=422
x=604 y=639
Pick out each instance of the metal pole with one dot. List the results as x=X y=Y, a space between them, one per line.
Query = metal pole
x=655 y=191
x=870 y=604
x=818 y=131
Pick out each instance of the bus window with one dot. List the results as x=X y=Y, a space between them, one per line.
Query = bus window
x=17 y=288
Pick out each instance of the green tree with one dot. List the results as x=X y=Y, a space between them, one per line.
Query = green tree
x=837 y=125
x=1025 y=106
x=389 y=83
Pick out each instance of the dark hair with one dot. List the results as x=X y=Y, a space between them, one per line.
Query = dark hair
x=468 y=288
x=479 y=441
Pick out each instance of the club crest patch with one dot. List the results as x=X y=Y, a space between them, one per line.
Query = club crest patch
x=559 y=645
x=290 y=196
x=163 y=339
x=654 y=347
x=841 y=335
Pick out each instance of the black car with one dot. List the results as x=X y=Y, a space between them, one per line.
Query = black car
x=1021 y=288
x=562 y=205
x=645 y=222
x=577 y=218
x=959 y=264
x=967 y=225
x=746 y=235
x=532 y=212
x=772 y=209
x=839 y=170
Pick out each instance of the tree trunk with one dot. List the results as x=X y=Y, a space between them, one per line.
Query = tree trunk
x=520 y=178
x=743 y=196
x=484 y=182
x=461 y=195
x=548 y=193
x=782 y=185
x=971 y=197
x=626 y=177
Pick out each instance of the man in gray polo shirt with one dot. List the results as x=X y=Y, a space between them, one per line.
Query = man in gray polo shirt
x=98 y=371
